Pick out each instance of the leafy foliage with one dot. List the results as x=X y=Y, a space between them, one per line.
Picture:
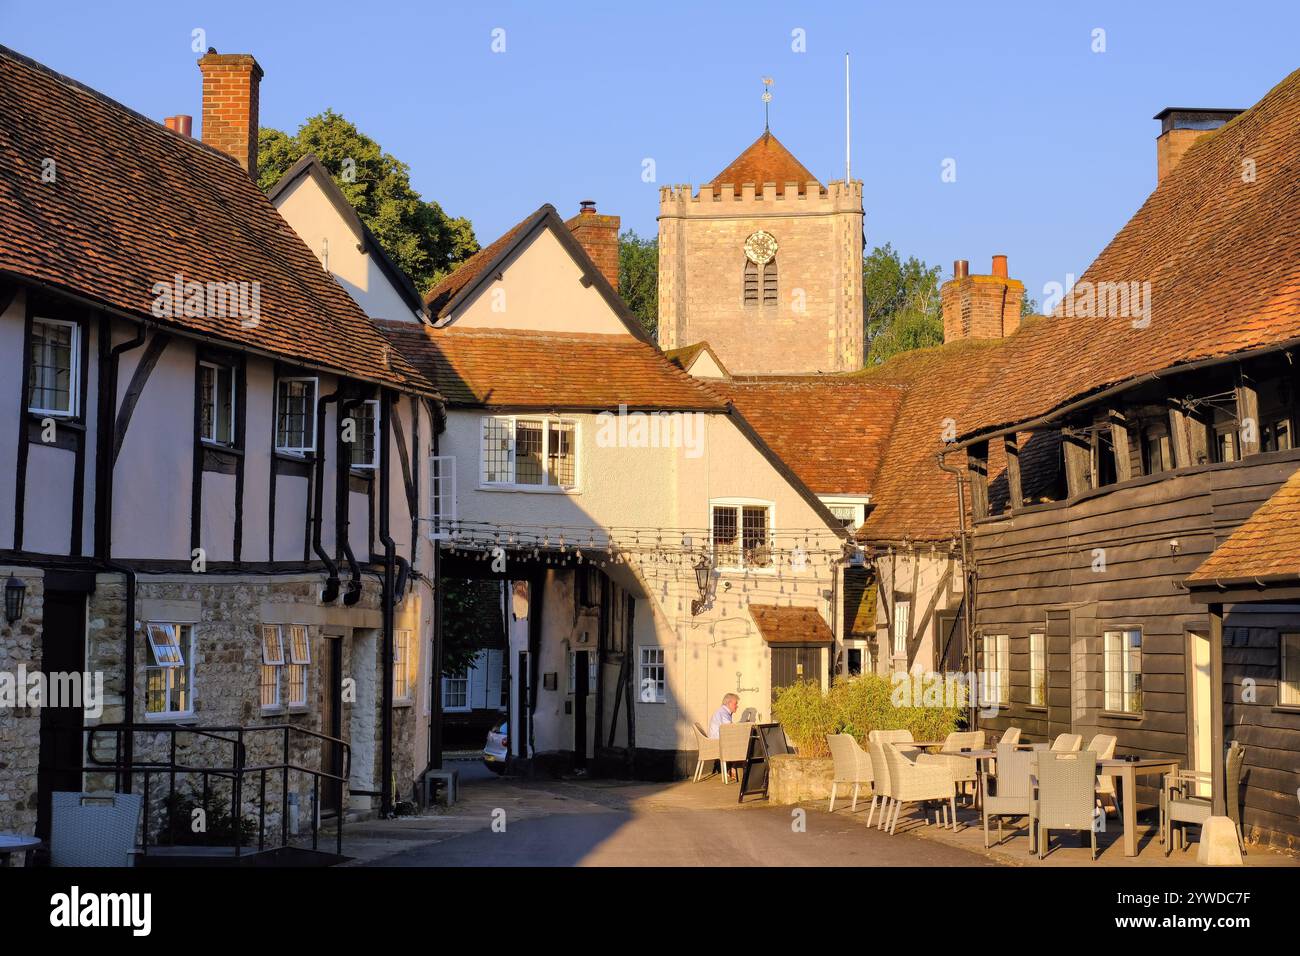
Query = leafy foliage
x=857 y=706
x=638 y=277
x=472 y=619
x=900 y=305
x=420 y=237
x=177 y=826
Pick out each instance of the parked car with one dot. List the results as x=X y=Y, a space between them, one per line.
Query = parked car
x=496 y=751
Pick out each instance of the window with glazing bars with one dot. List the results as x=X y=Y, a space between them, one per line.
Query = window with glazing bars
x=528 y=451
x=217 y=403
x=299 y=658
x=295 y=416
x=272 y=662
x=1123 y=678
x=365 y=444
x=52 y=364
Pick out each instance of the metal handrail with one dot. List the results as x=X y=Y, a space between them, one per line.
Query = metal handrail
x=235 y=773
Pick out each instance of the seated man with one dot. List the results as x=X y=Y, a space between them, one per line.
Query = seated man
x=723 y=715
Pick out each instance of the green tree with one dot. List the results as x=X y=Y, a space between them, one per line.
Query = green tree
x=638 y=278
x=471 y=619
x=421 y=238
x=900 y=303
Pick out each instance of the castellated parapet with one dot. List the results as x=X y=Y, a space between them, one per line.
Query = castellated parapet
x=806 y=316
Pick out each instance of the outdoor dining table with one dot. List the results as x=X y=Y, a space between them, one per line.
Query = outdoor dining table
x=11 y=843
x=1127 y=772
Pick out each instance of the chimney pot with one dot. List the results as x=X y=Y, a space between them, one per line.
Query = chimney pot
x=960 y=268
x=587 y=207
x=181 y=124
x=1000 y=266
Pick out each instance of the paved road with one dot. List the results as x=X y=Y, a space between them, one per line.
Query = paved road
x=591 y=826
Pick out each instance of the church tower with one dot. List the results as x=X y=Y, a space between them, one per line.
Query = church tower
x=765 y=264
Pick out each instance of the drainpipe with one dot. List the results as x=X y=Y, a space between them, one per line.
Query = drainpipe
x=105 y=429
x=390 y=552
x=968 y=572
x=317 y=517
x=342 y=518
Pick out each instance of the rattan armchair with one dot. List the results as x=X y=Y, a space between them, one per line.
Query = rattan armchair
x=926 y=781
x=710 y=750
x=964 y=769
x=1011 y=794
x=733 y=745
x=903 y=738
x=1065 y=801
x=852 y=766
x=881 y=785
x=1103 y=745
x=1067 y=743
x=1185 y=799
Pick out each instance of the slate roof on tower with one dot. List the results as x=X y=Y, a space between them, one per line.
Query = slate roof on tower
x=766 y=160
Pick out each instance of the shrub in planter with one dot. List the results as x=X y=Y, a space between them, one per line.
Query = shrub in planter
x=862 y=704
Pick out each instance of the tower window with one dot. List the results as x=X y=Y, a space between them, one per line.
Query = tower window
x=751 y=283
x=769 y=284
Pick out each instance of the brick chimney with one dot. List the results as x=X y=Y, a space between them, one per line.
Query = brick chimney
x=980 y=307
x=1179 y=128
x=230 y=98
x=598 y=234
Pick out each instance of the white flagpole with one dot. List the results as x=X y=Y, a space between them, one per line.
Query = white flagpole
x=848 y=175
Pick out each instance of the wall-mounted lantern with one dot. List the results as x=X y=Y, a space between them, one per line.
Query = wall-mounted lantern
x=703 y=581
x=15 y=592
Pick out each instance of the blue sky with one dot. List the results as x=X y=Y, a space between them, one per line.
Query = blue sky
x=1054 y=144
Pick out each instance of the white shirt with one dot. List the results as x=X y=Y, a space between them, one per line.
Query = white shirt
x=720 y=716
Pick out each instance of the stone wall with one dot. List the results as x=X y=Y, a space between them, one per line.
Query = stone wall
x=20 y=727
x=795 y=779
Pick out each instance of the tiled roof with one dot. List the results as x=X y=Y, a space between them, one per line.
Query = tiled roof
x=830 y=430
x=791 y=625
x=1219 y=243
x=520 y=368
x=133 y=204
x=766 y=160
x=1265 y=547
x=441 y=297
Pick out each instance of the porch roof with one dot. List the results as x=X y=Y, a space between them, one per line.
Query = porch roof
x=1264 y=550
x=791 y=625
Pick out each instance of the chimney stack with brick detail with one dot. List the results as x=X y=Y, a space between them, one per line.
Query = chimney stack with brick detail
x=598 y=234
x=980 y=307
x=230 y=105
x=1179 y=128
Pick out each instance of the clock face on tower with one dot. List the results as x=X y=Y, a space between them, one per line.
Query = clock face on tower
x=760 y=248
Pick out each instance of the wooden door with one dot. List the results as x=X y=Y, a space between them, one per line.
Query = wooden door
x=331 y=723
x=793 y=664
x=63 y=650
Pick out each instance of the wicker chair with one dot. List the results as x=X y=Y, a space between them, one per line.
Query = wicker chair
x=881 y=785
x=1103 y=745
x=94 y=829
x=1181 y=804
x=852 y=766
x=964 y=769
x=1013 y=794
x=709 y=750
x=733 y=745
x=900 y=737
x=1067 y=744
x=928 y=780
x=1066 y=780
x=1010 y=736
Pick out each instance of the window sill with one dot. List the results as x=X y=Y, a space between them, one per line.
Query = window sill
x=531 y=489
x=222 y=446
x=299 y=710
x=272 y=711
x=1036 y=708
x=186 y=718
x=1120 y=715
x=1286 y=708
x=65 y=419
x=404 y=703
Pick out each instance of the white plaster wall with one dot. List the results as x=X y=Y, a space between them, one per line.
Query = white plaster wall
x=291 y=518
x=260 y=379
x=151 y=482
x=217 y=532
x=540 y=288
x=11 y=386
x=307 y=209
x=47 y=512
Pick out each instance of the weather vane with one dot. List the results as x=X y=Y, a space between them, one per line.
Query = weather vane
x=767 y=99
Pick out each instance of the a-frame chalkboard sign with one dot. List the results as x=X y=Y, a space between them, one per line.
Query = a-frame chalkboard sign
x=765 y=740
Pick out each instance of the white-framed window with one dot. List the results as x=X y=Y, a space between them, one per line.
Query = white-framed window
x=741 y=533
x=272 y=662
x=295 y=415
x=216 y=403
x=441 y=519
x=652 y=674
x=529 y=452
x=1288 y=684
x=54 y=367
x=455 y=691
x=997 y=669
x=591 y=671
x=1123 y=671
x=169 y=675
x=403 y=659
x=1037 y=669
x=298 y=666
x=850 y=511
x=902 y=623
x=365 y=440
